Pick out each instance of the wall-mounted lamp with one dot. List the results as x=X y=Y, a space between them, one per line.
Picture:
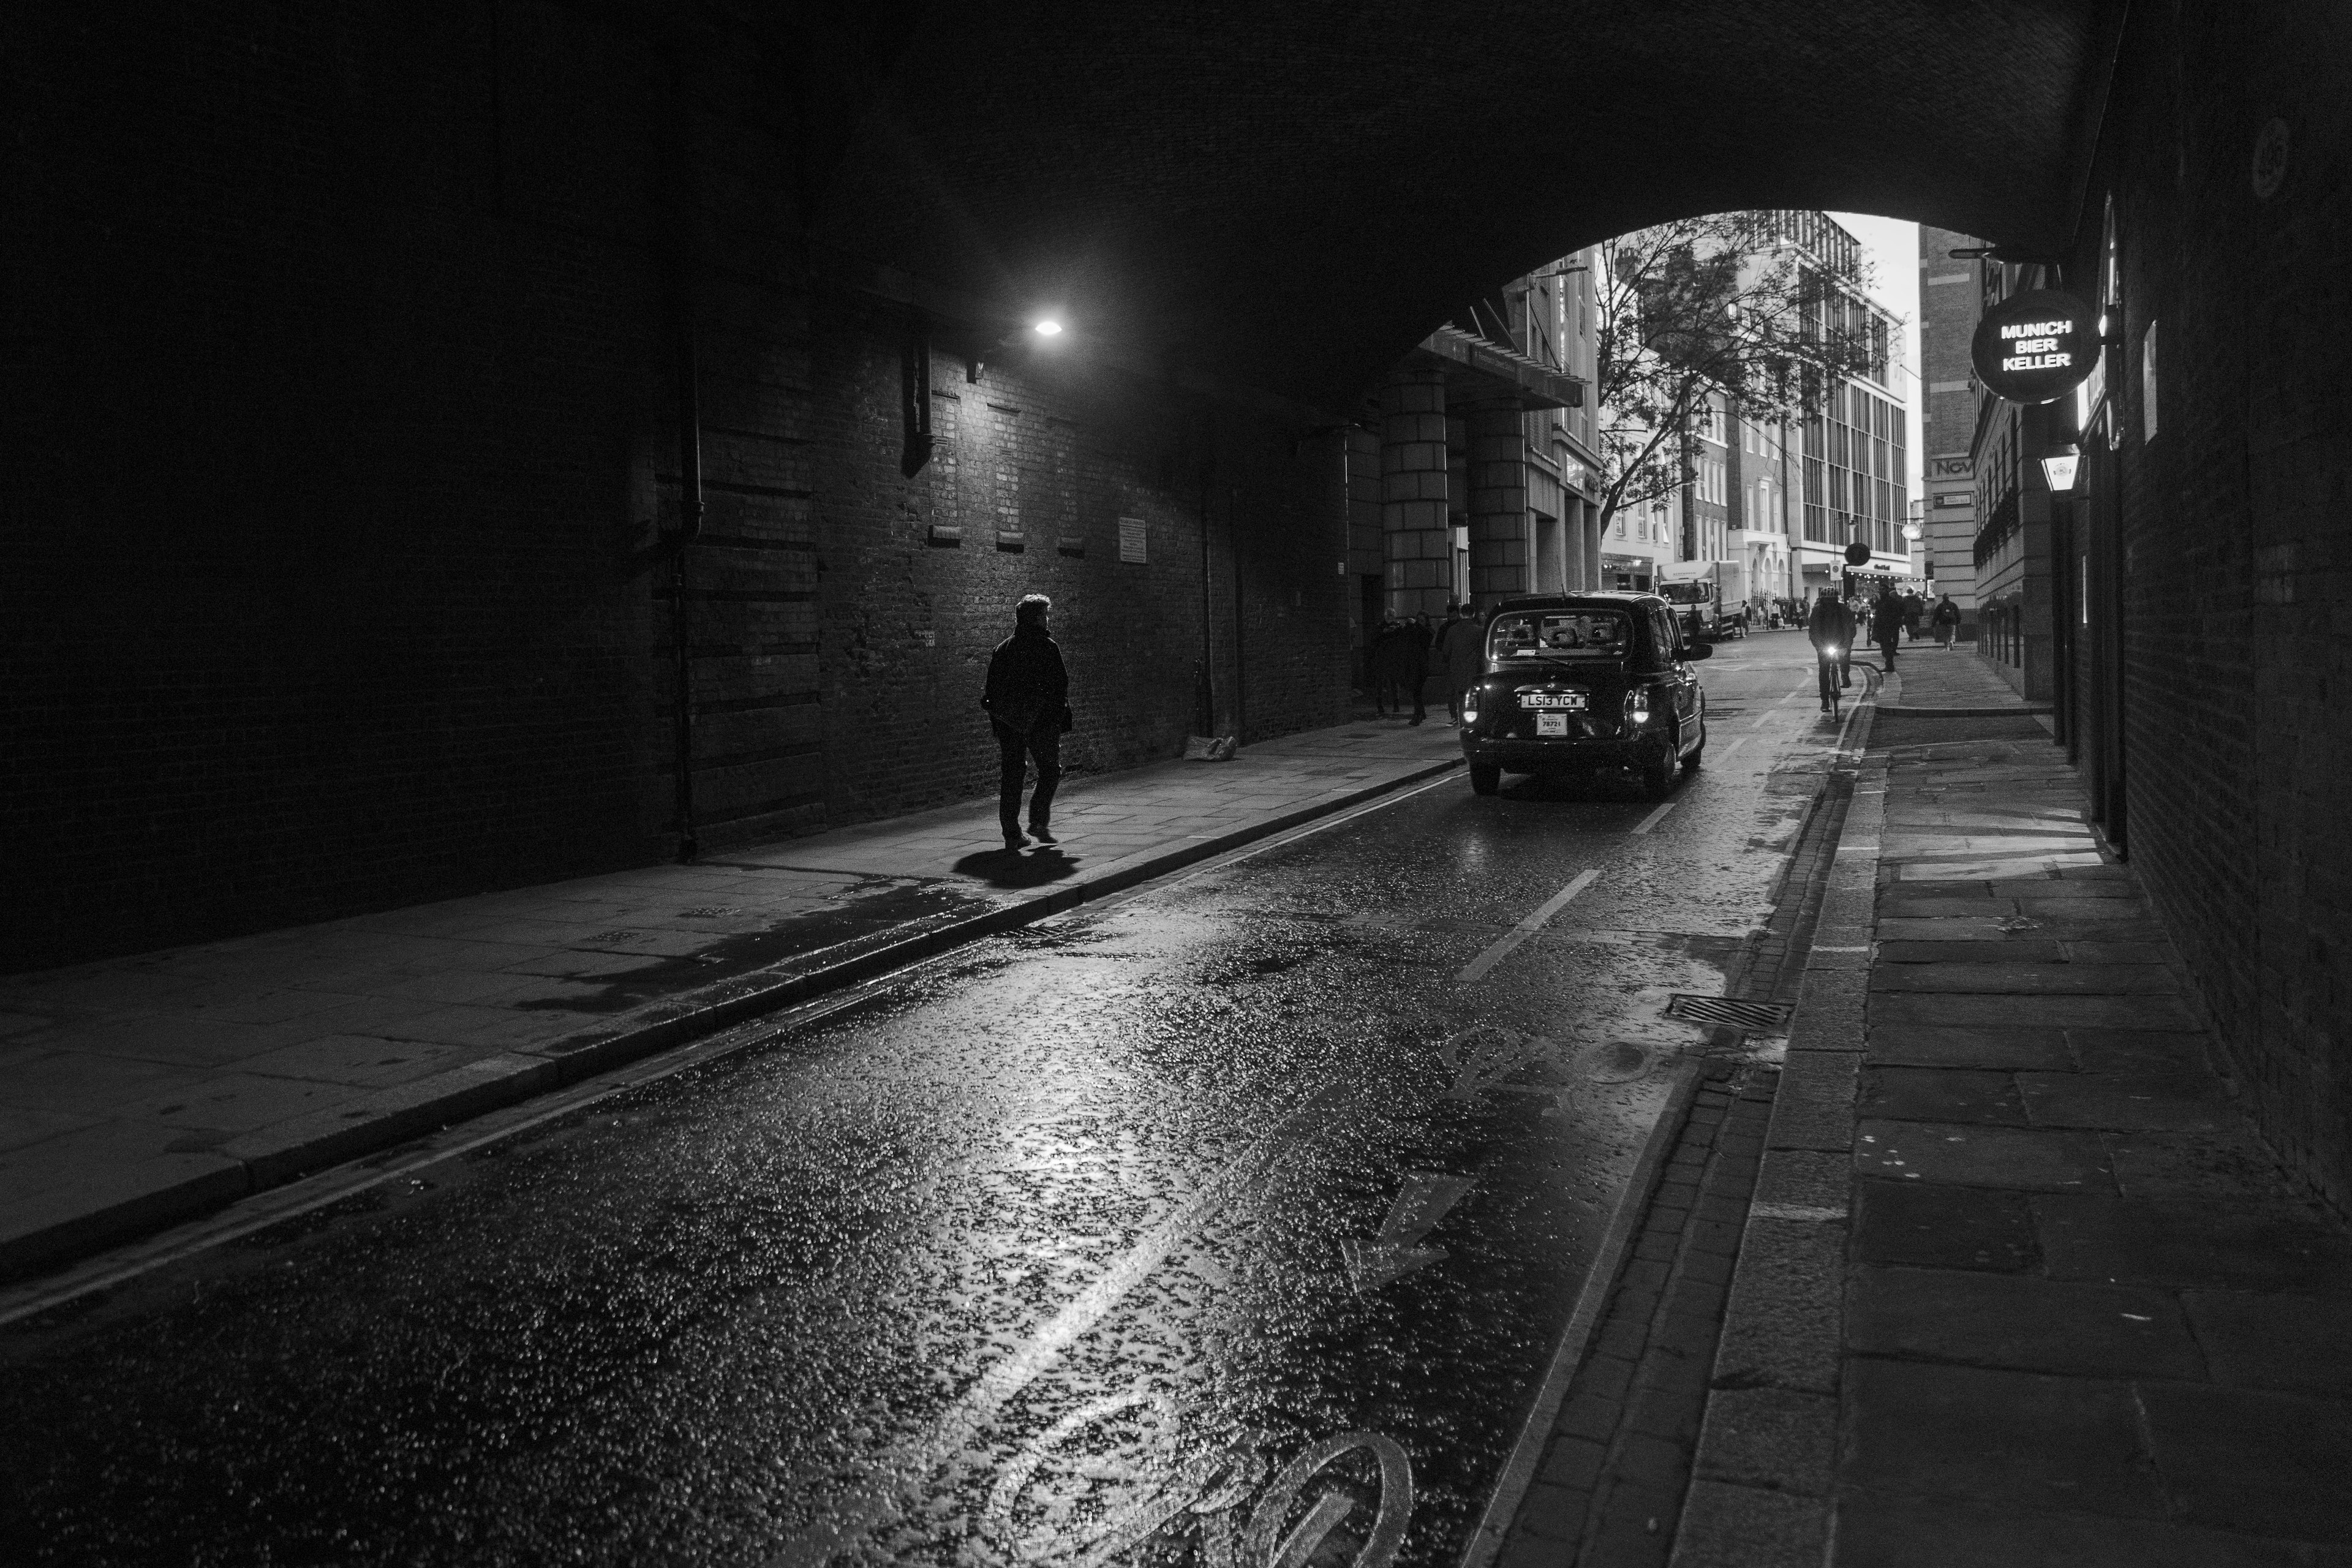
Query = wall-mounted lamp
x=2059 y=469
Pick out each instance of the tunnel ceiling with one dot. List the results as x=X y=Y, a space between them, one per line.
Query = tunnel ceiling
x=1294 y=194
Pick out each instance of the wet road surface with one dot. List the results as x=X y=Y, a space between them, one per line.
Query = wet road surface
x=1223 y=1222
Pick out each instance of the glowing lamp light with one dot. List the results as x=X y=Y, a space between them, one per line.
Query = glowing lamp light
x=1049 y=328
x=2059 y=469
x=1911 y=531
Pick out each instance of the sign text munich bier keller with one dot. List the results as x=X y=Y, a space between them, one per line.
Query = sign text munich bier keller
x=2035 y=347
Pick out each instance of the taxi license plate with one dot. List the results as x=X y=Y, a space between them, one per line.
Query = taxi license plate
x=1548 y=723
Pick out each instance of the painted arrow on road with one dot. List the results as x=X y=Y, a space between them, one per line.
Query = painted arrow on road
x=1397 y=1251
x=1485 y=1055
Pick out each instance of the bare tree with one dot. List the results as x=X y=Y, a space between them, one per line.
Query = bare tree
x=1727 y=303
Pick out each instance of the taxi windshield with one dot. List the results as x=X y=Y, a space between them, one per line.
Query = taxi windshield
x=1560 y=635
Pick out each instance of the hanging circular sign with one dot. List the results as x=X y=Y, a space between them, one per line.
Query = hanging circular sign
x=2036 y=347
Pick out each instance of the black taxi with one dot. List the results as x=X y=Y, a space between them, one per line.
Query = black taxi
x=1574 y=683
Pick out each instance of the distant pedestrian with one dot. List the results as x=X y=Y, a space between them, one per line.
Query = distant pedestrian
x=1913 y=607
x=1886 y=626
x=1381 y=661
x=1027 y=699
x=1947 y=621
x=1414 y=655
x=1462 y=656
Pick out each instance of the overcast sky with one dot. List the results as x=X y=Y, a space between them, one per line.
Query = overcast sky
x=1894 y=249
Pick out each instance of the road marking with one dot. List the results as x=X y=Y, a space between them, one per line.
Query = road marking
x=1525 y=928
x=1234 y=857
x=1396 y=1251
x=1485 y=1055
x=1651 y=821
x=882 y=1495
x=1735 y=745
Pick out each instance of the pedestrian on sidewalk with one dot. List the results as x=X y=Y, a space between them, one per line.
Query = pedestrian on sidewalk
x=1380 y=665
x=1831 y=626
x=1027 y=699
x=1913 y=606
x=1947 y=621
x=1886 y=626
x=1463 y=657
x=1415 y=650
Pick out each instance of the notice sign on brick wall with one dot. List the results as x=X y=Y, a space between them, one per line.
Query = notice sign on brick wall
x=1130 y=539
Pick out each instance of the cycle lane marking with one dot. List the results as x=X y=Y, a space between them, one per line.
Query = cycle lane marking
x=880 y=1498
x=1503 y=948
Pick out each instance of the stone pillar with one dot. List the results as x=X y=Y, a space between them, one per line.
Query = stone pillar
x=1417 y=538
x=1500 y=553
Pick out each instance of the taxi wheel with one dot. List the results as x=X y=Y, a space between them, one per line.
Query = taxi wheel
x=1658 y=778
x=1485 y=778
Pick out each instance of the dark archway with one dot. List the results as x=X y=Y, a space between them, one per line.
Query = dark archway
x=1293 y=194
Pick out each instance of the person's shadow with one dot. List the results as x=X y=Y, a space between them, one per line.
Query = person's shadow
x=1011 y=869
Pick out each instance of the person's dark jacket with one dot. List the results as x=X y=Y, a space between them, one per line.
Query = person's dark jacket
x=1027 y=684
x=1413 y=649
x=1948 y=613
x=1831 y=624
x=1886 y=617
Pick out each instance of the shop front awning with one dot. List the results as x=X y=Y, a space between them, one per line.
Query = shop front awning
x=1478 y=370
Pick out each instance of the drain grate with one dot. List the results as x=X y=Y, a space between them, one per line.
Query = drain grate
x=1762 y=1017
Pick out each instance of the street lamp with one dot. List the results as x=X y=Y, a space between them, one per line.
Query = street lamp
x=2059 y=468
x=1047 y=327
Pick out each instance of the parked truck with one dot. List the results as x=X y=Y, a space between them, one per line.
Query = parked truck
x=1710 y=596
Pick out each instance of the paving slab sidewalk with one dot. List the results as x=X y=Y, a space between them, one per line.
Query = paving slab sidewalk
x=140 y=1091
x=2048 y=1298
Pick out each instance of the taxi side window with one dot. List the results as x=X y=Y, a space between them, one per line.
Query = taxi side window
x=1662 y=640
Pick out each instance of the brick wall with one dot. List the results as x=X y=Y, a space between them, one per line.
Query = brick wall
x=339 y=381
x=2236 y=549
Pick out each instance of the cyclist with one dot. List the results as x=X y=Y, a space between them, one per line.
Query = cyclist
x=1831 y=631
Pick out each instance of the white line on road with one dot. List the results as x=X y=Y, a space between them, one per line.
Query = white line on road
x=881 y=1495
x=1735 y=745
x=1525 y=928
x=1651 y=821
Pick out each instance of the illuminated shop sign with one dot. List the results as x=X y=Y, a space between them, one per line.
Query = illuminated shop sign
x=2036 y=347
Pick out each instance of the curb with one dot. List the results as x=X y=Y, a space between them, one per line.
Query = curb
x=1895 y=711
x=1762 y=1478
x=1519 y=1474
x=294 y=1148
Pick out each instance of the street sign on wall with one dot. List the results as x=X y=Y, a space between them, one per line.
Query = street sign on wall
x=2035 y=347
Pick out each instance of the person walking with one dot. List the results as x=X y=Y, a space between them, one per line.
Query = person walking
x=1948 y=622
x=1462 y=650
x=1027 y=699
x=1382 y=661
x=1886 y=626
x=1830 y=629
x=1913 y=607
x=1415 y=659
